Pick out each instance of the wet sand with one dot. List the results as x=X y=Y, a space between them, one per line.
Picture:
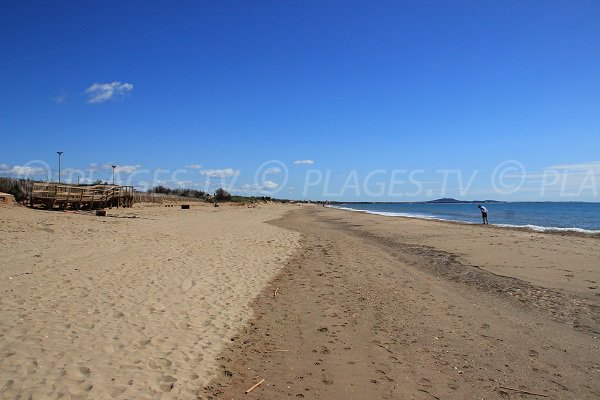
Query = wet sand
x=380 y=307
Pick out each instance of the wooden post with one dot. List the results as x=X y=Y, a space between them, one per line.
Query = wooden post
x=80 y=198
x=68 y=197
x=54 y=198
x=31 y=195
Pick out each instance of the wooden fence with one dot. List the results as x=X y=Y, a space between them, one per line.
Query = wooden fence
x=142 y=197
x=51 y=195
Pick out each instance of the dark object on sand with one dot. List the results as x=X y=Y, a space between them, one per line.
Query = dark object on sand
x=100 y=213
x=185 y=206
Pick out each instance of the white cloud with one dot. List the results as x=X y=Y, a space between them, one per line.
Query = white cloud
x=94 y=167
x=127 y=169
x=272 y=171
x=307 y=162
x=71 y=171
x=270 y=185
x=101 y=92
x=265 y=189
x=588 y=166
x=220 y=173
x=194 y=166
x=19 y=170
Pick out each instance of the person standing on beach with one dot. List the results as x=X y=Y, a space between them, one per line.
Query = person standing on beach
x=484 y=213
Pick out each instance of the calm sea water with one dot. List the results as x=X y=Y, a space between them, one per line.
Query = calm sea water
x=537 y=216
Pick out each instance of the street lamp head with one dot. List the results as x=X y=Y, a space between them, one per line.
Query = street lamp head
x=59 y=152
x=114 y=166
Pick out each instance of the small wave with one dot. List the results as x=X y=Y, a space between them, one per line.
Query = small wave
x=537 y=228
x=392 y=214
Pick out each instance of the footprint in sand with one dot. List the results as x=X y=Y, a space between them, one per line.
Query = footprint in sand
x=452 y=385
x=159 y=363
x=116 y=391
x=327 y=379
x=425 y=382
x=142 y=343
x=533 y=353
x=7 y=386
x=384 y=375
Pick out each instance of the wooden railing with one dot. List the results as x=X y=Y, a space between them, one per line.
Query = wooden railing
x=51 y=195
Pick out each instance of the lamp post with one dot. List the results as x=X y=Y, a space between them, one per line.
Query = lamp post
x=59 y=154
x=113 y=167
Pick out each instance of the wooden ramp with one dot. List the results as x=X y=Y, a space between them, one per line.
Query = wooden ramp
x=52 y=195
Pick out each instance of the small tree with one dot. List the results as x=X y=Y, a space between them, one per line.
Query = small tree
x=222 y=195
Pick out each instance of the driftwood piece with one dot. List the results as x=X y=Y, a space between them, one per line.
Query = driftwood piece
x=523 y=391
x=275 y=292
x=255 y=386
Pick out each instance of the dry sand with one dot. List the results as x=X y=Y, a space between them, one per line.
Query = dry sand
x=181 y=304
x=128 y=308
x=378 y=307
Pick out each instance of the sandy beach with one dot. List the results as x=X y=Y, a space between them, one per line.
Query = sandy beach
x=128 y=308
x=158 y=302
x=388 y=307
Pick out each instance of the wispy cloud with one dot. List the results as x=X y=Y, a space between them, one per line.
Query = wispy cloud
x=220 y=173
x=94 y=167
x=305 y=162
x=265 y=188
x=71 y=171
x=587 y=166
x=60 y=98
x=127 y=169
x=193 y=166
x=560 y=171
x=101 y=92
x=272 y=171
x=18 y=170
x=124 y=169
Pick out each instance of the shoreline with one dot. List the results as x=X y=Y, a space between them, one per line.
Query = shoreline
x=363 y=313
x=573 y=231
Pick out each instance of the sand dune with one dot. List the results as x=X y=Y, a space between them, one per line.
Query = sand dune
x=134 y=308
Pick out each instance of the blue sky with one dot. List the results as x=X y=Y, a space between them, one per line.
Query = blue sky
x=356 y=87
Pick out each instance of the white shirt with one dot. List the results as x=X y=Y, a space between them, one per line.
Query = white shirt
x=483 y=209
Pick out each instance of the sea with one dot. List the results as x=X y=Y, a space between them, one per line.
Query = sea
x=546 y=216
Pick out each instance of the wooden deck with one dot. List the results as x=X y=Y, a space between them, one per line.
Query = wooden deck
x=52 y=195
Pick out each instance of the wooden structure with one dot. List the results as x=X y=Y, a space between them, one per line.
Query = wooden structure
x=51 y=195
